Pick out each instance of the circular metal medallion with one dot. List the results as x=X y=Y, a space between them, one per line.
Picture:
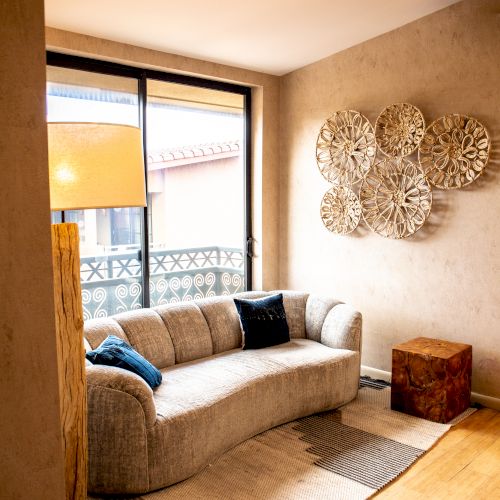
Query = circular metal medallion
x=454 y=151
x=340 y=210
x=346 y=148
x=395 y=198
x=399 y=129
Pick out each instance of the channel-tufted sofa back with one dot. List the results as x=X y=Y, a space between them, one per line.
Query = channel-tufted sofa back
x=185 y=331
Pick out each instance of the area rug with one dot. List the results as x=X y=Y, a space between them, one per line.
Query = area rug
x=349 y=453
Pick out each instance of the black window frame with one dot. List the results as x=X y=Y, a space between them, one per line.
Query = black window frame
x=142 y=75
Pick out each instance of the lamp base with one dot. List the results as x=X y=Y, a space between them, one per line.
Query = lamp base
x=71 y=356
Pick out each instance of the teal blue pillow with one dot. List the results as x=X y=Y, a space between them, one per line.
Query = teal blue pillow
x=116 y=352
x=263 y=321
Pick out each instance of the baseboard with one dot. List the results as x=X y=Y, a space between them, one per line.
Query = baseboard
x=375 y=373
x=487 y=401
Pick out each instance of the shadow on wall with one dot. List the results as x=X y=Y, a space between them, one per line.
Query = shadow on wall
x=491 y=172
x=441 y=213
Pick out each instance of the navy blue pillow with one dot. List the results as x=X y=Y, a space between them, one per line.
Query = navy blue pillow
x=116 y=352
x=263 y=321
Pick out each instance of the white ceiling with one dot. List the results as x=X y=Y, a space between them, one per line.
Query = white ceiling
x=272 y=36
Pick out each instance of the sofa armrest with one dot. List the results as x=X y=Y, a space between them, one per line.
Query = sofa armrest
x=342 y=328
x=108 y=379
x=121 y=411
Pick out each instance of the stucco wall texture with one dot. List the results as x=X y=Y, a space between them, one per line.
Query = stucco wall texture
x=444 y=282
x=31 y=446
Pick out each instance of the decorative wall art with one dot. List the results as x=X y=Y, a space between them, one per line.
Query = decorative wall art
x=345 y=148
x=395 y=195
x=399 y=129
x=340 y=210
x=454 y=151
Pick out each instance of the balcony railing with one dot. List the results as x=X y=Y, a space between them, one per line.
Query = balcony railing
x=111 y=283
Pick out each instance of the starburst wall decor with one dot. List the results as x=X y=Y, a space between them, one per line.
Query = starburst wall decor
x=399 y=129
x=454 y=151
x=394 y=192
x=396 y=198
x=345 y=148
x=340 y=210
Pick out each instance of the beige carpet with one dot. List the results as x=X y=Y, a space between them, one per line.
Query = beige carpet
x=349 y=453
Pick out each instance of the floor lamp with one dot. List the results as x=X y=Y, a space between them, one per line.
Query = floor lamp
x=91 y=165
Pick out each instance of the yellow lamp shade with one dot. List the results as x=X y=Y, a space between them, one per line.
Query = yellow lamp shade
x=95 y=165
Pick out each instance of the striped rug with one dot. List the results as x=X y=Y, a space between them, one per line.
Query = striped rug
x=349 y=453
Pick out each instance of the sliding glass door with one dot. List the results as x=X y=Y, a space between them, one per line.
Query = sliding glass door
x=195 y=140
x=110 y=239
x=191 y=240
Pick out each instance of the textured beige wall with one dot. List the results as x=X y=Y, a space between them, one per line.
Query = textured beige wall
x=265 y=118
x=31 y=460
x=445 y=281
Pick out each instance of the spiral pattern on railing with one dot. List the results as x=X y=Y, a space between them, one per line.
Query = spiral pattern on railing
x=104 y=293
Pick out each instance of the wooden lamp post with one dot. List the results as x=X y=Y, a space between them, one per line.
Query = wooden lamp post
x=91 y=165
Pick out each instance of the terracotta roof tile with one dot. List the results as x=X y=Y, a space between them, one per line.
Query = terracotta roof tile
x=201 y=152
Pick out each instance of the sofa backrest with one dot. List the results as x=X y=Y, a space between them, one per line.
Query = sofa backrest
x=176 y=333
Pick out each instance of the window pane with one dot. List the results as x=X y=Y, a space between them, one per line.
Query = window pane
x=110 y=239
x=196 y=192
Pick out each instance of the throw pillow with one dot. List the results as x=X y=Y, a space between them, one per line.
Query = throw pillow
x=114 y=351
x=263 y=321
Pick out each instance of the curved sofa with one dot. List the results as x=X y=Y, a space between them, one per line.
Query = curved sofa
x=214 y=395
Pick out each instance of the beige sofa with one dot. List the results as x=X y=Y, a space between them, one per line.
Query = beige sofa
x=214 y=395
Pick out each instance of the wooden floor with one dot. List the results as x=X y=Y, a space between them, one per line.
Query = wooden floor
x=464 y=464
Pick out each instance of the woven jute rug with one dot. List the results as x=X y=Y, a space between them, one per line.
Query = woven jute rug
x=349 y=453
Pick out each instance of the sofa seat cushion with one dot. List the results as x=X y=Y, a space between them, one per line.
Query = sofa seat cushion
x=205 y=381
x=206 y=406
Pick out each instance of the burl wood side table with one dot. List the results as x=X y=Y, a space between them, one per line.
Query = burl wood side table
x=431 y=378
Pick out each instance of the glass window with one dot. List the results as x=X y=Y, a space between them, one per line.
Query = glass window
x=195 y=184
x=110 y=239
x=195 y=218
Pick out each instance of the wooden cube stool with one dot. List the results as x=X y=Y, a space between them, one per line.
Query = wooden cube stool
x=431 y=378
